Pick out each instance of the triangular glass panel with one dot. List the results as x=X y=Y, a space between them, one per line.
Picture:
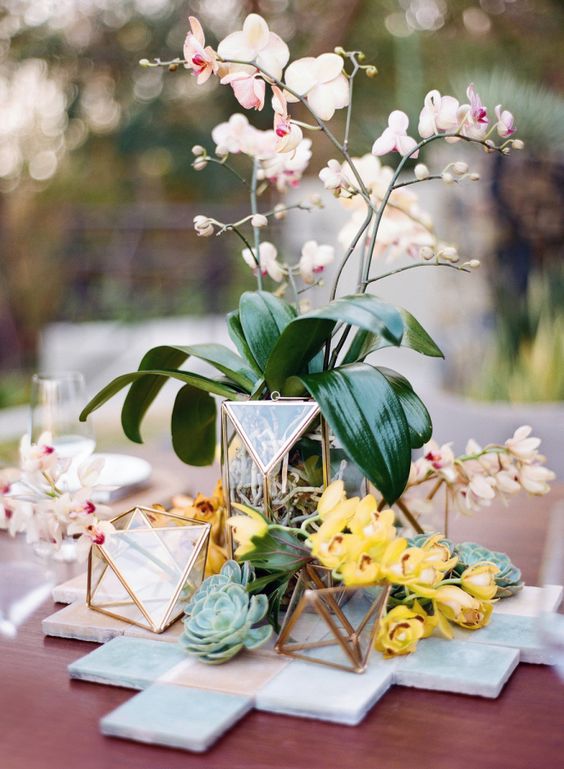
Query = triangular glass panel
x=149 y=570
x=269 y=428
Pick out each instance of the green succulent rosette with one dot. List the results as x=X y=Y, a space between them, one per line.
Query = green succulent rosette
x=508 y=580
x=221 y=616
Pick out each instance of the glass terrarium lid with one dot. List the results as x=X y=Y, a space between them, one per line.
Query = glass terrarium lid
x=270 y=428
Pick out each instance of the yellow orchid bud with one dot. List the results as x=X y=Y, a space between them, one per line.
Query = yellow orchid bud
x=479 y=580
x=399 y=631
x=331 y=497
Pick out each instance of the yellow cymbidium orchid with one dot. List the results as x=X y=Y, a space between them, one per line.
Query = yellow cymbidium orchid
x=245 y=527
x=363 y=570
x=401 y=629
x=479 y=580
x=461 y=608
x=339 y=549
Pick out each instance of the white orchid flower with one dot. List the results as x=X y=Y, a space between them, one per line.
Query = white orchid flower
x=314 y=259
x=521 y=445
x=288 y=134
x=321 y=82
x=505 y=122
x=395 y=138
x=267 y=261
x=201 y=59
x=439 y=113
x=249 y=89
x=285 y=169
x=255 y=43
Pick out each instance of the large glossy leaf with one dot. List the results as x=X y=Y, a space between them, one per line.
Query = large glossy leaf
x=263 y=318
x=193 y=426
x=418 y=418
x=197 y=381
x=305 y=336
x=366 y=416
x=144 y=391
x=235 y=330
x=415 y=337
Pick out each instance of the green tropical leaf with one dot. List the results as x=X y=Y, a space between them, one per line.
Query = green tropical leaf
x=415 y=338
x=197 y=381
x=193 y=425
x=305 y=336
x=263 y=317
x=235 y=330
x=366 y=416
x=144 y=391
x=418 y=418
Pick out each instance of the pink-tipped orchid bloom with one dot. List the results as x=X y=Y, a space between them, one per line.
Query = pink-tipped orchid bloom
x=256 y=44
x=249 y=89
x=201 y=59
x=439 y=113
x=321 y=82
x=288 y=135
x=314 y=259
x=505 y=122
x=473 y=117
x=395 y=138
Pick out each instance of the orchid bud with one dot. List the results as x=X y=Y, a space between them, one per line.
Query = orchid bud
x=447 y=178
x=473 y=263
x=474 y=177
x=426 y=252
x=316 y=201
x=259 y=220
x=371 y=71
x=279 y=211
x=172 y=67
x=221 y=151
x=460 y=167
x=361 y=56
x=340 y=51
x=506 y=150
x=203 y=226
x=144 y=63
x=518 y=144
x=421 y=171
x=197 y=149
x=449 y=253
x=199 y=164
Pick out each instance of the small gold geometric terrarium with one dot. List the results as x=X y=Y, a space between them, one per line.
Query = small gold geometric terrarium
x=331 y=625
x=148 y=568
x=275 y=456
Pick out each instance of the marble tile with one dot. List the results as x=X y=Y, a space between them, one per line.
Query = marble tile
x=133 y=663
x=245 y=674
x=79 y=622
x=511 y=631
x=72 y=590
x=455 y=666
x=83 y=624
x=176 y=716
x=316 y=691
x=527 y=602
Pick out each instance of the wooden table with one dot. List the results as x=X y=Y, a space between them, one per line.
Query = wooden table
x=48 y=721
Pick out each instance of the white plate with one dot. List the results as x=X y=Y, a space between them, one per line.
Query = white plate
x=121 y=474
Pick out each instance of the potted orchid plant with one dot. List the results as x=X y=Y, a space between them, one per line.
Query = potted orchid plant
x=283 y=348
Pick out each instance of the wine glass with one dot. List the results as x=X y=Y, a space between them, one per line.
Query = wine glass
x=551 y=618
x=56 y=402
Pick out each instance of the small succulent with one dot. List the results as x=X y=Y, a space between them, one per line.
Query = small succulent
x=220 y=617
x=508 y=580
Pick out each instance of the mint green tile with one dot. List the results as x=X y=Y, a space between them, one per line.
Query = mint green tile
x=310 y=690
x=511 y=631
x=176 y=716
x=134 y=663
x=455 y=666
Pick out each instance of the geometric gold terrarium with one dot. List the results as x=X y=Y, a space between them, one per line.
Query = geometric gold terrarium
x=147 y=570
x=332 y=625
x=274 y=455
